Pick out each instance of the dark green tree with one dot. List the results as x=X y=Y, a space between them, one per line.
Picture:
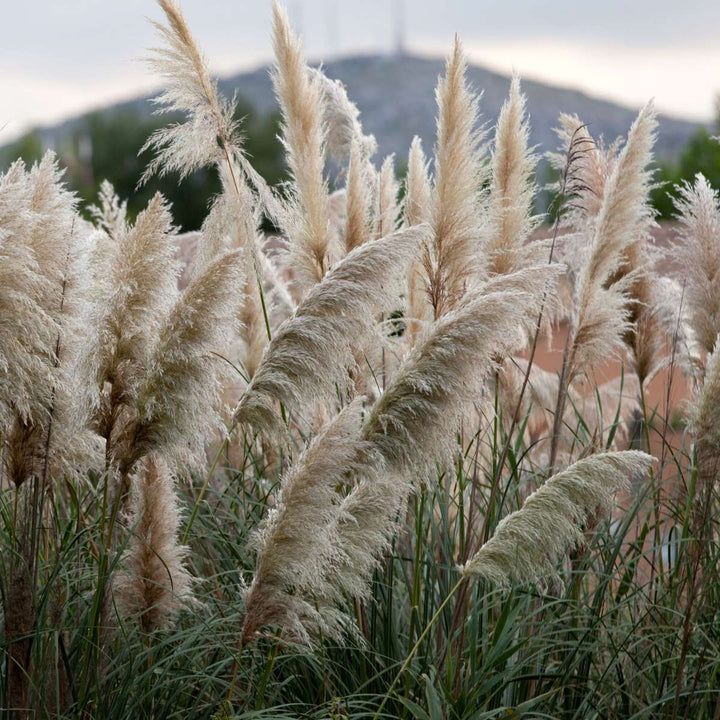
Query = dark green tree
x=701 y=154
x=29 y=147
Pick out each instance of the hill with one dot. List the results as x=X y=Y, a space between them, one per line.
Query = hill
x=396 y=97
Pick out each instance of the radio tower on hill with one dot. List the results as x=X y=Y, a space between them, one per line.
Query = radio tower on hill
x=399 y=18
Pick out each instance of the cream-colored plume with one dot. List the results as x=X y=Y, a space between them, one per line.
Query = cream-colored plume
x=342 y=119
x=512 y=191
x=300 y=96
x=413 y=424
x=698 y=251
x=358 y=202
x=452 y=260
x=28 y=331
x=207 y=137
x=296 y=541
x=417 y=209
x=177 y=400
x=386 y=204
x=152 y=584
x=308 y=359
x=135 y=286
x=528 y=543
x=601 y=318
x=44 y=248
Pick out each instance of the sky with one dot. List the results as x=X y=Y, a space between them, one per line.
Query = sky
x=62 y=57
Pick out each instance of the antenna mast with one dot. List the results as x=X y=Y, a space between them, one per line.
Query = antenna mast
x=399 y=13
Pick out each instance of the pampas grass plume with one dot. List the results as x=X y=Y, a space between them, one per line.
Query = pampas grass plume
x=527 y=543
x=308 y=359
x=153 y=583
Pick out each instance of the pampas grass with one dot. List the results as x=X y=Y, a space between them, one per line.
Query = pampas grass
x=601 y=319
x=410 y=427
x=353 y=418
x=297 y=540
x=342 y=119
x=452 y=261
x=304 y=136
x=386 y=214
x=358 y=201
x=136 y=279
x=308 y=359
x=153 y=584
x=512 y=192
x=698 y=250
x=208 y=136
x=527 y=543
x=176 y=401
x=417 y=209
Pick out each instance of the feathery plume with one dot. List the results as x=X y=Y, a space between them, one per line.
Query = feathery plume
x=208 y=136
x=233 y=223
x=110 y=214
x=698 y=252
x=176 y=401
x=135 y=287
x=418 y=188
x=705 y=424
x=153 y=583
x=527 y=543
x=412 y=425
x=512 y=190
x=591 y=165
x=443 y=375
x=601 y=320
x=303 y=136
x=387 y=210
x=26 y=331
x=43 y=246
x=357 y=213
x=417 y=209
x=295 y=542
x=342 y=119
x=408 y=429
x=451 y=261
x=310 y=354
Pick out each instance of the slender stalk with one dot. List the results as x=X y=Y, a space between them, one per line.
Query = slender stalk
x=415 y=647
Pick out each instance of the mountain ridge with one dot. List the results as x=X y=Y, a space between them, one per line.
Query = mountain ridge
x=409 y=80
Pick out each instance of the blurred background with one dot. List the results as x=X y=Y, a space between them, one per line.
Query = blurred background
x=73 y=79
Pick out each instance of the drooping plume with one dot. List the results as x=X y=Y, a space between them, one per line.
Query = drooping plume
x=297 y=539
x=412 y=426
x=342 y=119
x=528 y=543
x=308 y=359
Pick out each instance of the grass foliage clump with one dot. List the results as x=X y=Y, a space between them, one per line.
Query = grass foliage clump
x=322 y=472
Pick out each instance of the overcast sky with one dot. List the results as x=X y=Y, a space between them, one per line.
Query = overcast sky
x=60 y=57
